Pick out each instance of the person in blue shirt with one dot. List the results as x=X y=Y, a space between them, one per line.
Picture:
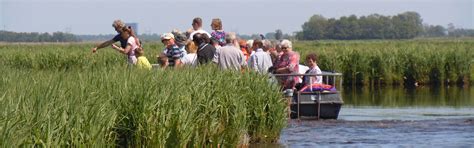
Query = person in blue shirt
x=118 y=25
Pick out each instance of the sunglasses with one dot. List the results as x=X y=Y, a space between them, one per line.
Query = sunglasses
x=284 y=47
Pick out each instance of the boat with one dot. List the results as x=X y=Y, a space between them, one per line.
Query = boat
x=318 y=103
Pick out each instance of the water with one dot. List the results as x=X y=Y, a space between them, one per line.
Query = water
x=391 y=117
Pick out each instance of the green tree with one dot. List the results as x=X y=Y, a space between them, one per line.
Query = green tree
x=407 y=25
x=371 y=27
x=353 y=27
x=8 y=36
x=315 y=28
x=433 y=31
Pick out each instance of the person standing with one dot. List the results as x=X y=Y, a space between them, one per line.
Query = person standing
x=288 y=64
x=171 y=51
x=197 y=28
x=118 y=26
x=229 y=56
x=218 y=33
x=180 y=40
x=190 y=59
x=260 y=61
x=244 y=48
x=206 y=51
x=130 y=46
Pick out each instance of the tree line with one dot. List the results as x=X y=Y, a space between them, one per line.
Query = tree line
x=402 y=26
x=8 y=36
x=406 y=25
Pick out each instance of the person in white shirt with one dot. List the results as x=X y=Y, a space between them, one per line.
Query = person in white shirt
x=197 y=27
x=190 y=59
x=311 y=61
x=260 y=61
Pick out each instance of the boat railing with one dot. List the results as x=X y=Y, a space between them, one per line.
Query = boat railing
x=329 y=78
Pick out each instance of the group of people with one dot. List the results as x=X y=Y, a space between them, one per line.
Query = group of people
x=198 y=47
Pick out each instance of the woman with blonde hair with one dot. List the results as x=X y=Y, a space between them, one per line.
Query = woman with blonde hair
x=218 y=33
x=190 y=59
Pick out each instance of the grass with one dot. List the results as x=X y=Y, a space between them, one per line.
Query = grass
x=395 y=62
x=61 y=97
x=374 y=62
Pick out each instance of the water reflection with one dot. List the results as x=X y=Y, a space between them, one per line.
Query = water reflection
x=406 y=113
x=415 y=97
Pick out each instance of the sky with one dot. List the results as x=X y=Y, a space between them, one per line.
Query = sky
x=241 y=16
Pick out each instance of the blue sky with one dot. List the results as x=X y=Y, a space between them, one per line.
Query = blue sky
x=242 y=16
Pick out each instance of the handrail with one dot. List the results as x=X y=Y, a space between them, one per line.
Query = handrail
x=334 y=75
x=322 y=74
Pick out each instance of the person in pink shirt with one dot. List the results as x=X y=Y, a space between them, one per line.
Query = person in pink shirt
x=287 y=64
x=132 y=44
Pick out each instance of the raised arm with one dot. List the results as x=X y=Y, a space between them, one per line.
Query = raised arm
x=102 y=45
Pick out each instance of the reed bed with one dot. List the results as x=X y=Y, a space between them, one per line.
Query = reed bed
x=66 y=97
x=374 y=62
x=400 y=62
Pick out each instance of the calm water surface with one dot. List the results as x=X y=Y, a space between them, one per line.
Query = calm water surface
x=391 y=117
